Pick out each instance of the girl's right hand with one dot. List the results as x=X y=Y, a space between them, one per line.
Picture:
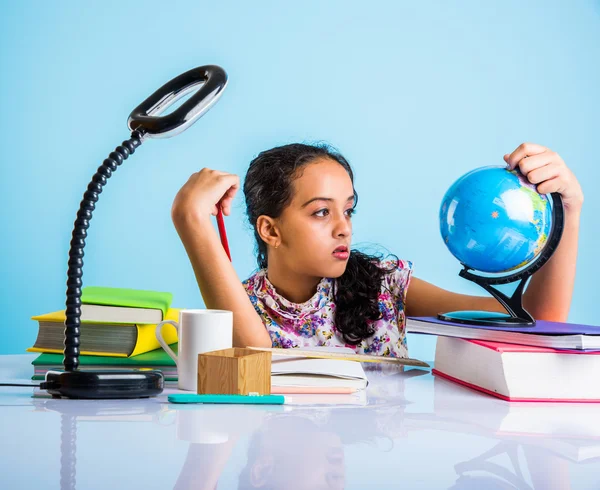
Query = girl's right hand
x=203 y=191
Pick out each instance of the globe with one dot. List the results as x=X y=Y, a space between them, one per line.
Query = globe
x=493 y=220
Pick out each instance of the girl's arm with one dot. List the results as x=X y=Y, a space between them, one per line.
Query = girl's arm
x=219 y=284
x=548 y=295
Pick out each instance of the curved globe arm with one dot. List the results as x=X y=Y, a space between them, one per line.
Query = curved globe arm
x=512 y=304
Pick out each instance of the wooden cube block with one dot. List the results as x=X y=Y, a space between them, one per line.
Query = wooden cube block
x=234 y=371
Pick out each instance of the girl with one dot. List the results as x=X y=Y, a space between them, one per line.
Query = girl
x=311 y=289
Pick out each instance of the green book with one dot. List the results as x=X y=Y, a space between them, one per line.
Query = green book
x=132 y=298
x=157 y=357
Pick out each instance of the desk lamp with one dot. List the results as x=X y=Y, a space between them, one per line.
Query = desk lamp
x=144 y=122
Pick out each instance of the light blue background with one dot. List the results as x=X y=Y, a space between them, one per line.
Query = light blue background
x=414 y=94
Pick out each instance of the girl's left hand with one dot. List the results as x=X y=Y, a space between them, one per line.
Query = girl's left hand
x=546 y=169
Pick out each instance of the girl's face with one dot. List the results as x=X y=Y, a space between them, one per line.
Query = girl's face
x=316 y=226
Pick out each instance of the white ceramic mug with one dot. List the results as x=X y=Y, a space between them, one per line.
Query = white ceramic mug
x=198 y=331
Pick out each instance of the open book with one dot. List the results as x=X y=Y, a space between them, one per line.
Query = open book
x=331 y=373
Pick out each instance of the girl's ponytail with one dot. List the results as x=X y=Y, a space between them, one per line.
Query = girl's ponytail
x=356 y=296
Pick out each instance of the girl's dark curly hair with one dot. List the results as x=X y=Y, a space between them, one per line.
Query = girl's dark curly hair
x=268 y=190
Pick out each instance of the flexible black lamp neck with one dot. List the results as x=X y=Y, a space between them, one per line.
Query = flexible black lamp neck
x=82 y=223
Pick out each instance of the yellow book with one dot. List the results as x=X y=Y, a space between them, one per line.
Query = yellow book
x=102 y=339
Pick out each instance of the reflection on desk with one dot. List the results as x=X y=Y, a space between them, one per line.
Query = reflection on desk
x=414 y=432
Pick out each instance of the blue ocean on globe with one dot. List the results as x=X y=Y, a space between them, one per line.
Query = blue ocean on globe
x=493 y=220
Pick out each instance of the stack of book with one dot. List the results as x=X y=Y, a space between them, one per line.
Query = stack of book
x=117 y=332
x=319 y=381
x=550 y=361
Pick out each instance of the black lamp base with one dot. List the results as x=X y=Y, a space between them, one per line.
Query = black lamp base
x=487 y=318
x=104 y=384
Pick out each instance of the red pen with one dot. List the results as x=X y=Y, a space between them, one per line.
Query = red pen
x=222 y=234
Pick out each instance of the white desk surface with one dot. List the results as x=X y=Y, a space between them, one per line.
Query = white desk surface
x=416 y=431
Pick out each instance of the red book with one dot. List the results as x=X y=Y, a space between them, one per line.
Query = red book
x=518 y=372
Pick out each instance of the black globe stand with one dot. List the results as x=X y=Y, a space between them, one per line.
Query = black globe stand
x=143 y=122
x=517 y=315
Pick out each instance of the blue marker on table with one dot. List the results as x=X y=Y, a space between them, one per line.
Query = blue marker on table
x=227 y=399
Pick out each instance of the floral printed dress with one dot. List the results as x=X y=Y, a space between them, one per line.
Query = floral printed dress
x=312 y=323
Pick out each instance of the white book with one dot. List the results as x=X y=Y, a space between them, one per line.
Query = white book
x=330 y=373
x=120 y=314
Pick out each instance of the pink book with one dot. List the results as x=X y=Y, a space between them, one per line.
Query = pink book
x=521 y=373
x=504 y=347
x=311 y=390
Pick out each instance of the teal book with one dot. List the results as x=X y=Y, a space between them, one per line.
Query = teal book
x=155 y=359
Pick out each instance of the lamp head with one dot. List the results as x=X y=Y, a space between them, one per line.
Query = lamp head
x=146 y=118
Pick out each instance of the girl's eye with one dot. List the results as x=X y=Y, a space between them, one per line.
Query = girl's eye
x=321 y=213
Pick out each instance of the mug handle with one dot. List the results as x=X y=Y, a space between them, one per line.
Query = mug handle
x=162 y=342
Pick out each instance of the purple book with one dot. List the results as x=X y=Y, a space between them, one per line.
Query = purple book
x=555 y=335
